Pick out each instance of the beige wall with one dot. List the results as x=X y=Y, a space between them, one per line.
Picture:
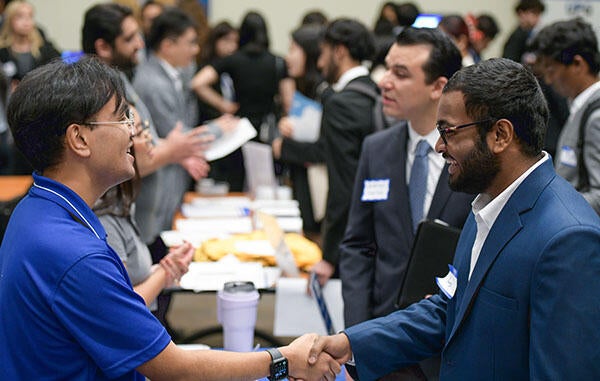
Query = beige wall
x=62 y=18
x=284 y=16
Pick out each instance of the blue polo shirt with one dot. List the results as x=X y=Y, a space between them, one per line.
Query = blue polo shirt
x=67 y=307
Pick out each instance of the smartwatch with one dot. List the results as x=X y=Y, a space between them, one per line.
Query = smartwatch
x=279 y=365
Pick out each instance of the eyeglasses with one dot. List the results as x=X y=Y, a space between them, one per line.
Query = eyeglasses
x=146 y=127
x=129 y=123
x=444 y=131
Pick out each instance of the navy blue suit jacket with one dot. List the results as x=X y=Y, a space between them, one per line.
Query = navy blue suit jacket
x=379 y=235
x=529 y=311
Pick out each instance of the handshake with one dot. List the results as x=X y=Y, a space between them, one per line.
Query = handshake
x=314 y=357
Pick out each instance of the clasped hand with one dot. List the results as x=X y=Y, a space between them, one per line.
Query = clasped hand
x=314 y=357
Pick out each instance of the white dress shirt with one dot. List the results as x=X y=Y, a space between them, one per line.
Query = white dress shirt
x=349 y=75
x=173 y=73
x=486 y=211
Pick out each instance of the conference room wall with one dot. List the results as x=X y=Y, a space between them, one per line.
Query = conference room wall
x=62 y=19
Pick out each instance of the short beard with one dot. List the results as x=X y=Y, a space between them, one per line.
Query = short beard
x=477 y=171
x=331 y=76
x=123 y=63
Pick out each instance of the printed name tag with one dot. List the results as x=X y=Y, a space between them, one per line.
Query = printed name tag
x=568 y=157
x=375 y=190
x=448 y=283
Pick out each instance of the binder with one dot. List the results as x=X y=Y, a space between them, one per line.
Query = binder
x=432 y=251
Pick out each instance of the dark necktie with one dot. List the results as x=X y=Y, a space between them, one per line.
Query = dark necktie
x=417 y=185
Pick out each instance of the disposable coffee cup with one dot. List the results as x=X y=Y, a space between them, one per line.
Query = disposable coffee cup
x=236 y=311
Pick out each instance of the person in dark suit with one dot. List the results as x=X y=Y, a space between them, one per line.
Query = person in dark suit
x=528 y=14
x=347 y=119
x=522 y=302
x=380 y=232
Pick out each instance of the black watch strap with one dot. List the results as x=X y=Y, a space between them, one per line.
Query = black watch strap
x=279 y=365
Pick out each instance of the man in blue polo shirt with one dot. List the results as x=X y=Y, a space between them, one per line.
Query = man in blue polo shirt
x=67 y=307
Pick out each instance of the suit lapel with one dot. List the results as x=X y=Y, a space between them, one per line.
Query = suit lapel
x=441 y=195
x=506 y=226
x=398 y=176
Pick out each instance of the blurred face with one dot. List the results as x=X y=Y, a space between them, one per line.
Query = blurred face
x=127 y=44
x=481 y=45
x=528 y=19
x=148 y=15
x=557 y=75
x=227 y=44
x=183 y=50
x=472 y=166
x=22 y=22
x=389 y=13
x=327 y=63
x=142 y=140
x=295 y=60
x=405 y=95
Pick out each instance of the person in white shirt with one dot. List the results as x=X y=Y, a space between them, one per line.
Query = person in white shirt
x=521 y=300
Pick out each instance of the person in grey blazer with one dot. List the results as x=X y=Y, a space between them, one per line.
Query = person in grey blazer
x=111 y=33
x=162 y=84
x=570 y=62
x=380 y=231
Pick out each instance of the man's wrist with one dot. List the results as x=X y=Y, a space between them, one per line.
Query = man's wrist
x=279 y=367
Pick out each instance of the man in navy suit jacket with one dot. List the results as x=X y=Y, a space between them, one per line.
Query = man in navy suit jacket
x=379 y=236
x=523 y=301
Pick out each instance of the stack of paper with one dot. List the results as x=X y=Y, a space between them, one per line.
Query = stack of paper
x=214 y=226
x=210 y=276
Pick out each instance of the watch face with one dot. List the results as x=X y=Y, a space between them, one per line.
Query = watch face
x=279 y=369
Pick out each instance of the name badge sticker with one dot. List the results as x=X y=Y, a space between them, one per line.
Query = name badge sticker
x=448 y=283
x=375 y=190
x=568 y=157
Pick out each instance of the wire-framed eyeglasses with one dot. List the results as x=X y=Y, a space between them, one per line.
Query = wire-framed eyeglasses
x=445 y=130
x=129 y=122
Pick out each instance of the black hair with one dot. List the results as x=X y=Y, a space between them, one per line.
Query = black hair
x=500 y=88
x=170 y=24
x=208 y=52
x=407 y=14
x=454 y=25
x=253 y=33
x=444 y=58
x=103 y=21
x=563 y=40
x=488 y=26
x=383 y=27
x=309 y=37
x=53 y=96
x=530 y=5
x=354 y=36
x=314 y=17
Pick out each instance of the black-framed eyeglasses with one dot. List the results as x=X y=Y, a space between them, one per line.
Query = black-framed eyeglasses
x=129 y=122
x=445 y=131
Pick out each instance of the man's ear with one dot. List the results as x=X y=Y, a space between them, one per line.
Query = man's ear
x=438 y=87
x=340 y=52
x=580 y=64
x=103 y=49
x=77 y=139
x=502 y=135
